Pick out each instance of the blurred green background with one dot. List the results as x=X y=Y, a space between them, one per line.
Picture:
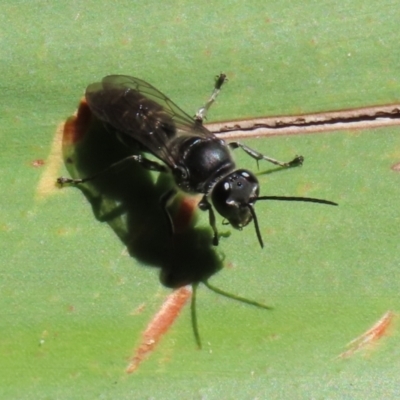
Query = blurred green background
x=68 y=288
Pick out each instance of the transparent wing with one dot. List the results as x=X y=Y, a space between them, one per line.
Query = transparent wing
x=136 y=109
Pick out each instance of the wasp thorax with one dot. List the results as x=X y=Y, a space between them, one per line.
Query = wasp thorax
x=232 y=196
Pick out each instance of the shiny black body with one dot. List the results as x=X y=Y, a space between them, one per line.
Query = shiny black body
x=198 y=160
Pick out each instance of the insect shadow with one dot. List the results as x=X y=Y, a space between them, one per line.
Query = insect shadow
x=128 y=200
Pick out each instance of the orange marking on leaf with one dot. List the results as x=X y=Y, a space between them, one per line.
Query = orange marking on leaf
x=67 y=133
x=159 y=325
x=37 y=163
x=76 y=126
x=185 y=213
x=371 y=336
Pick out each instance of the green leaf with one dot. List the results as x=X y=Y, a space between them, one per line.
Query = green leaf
x=75 y=303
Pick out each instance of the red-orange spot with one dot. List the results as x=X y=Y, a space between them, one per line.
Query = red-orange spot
x=159 y=325
x=229 y=265
x=185 y=213
x=37 y=163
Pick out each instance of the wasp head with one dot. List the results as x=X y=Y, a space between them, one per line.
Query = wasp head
x=234 y=196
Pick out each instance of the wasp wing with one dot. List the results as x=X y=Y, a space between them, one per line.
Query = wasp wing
x=137 y=109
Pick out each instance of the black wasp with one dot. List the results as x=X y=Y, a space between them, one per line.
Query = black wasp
x=199 y=162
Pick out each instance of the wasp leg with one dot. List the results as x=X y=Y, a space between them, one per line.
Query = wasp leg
x=165 y=201
x=204 y=205
x=202 y=111
x=193 y=313
x=148 y=164
x=298 y=160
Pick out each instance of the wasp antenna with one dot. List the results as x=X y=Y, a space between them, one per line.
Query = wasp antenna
x=303 y=199
x=253 y=214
